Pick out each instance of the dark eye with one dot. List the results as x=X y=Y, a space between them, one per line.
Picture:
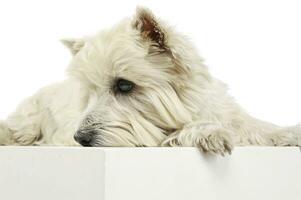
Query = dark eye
x=124 y=86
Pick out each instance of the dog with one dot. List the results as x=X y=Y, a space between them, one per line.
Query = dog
x=139 y=84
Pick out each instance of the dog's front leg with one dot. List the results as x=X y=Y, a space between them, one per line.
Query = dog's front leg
x=208 y=137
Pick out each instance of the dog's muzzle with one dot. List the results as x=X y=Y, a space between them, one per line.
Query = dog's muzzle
x=85 y=137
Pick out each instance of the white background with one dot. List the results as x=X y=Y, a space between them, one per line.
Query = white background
x=254 y=46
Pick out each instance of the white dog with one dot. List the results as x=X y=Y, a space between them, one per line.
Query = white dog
x=140 y=83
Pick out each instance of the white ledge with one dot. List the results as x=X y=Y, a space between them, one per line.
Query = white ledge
x=70 y=173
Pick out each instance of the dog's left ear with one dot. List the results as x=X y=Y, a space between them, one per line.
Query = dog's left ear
x=74 y=45
x=150 y=29
x=159 y=36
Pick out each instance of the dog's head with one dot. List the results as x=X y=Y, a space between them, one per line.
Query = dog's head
x=143 y=77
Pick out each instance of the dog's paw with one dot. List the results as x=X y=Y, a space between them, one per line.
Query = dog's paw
x=26 y=136
x=5 y=136
x=171 y=141
x=217 y=141
x=288 y=136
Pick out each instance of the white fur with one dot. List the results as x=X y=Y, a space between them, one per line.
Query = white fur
x=176 y=102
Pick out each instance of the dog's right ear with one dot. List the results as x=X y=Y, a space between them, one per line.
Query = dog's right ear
x=74 y=45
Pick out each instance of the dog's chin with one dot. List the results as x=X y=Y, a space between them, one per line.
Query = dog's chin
x=94 y=145
x=96 y=142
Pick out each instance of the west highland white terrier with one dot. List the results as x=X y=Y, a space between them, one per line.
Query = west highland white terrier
x=139 y=84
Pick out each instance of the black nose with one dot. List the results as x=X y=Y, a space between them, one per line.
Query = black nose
x=85 y=137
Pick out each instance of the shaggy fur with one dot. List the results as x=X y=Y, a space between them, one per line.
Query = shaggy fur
x=174 y=102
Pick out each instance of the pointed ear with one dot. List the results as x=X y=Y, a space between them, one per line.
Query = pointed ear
x=74 y=45
x=149 y=27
